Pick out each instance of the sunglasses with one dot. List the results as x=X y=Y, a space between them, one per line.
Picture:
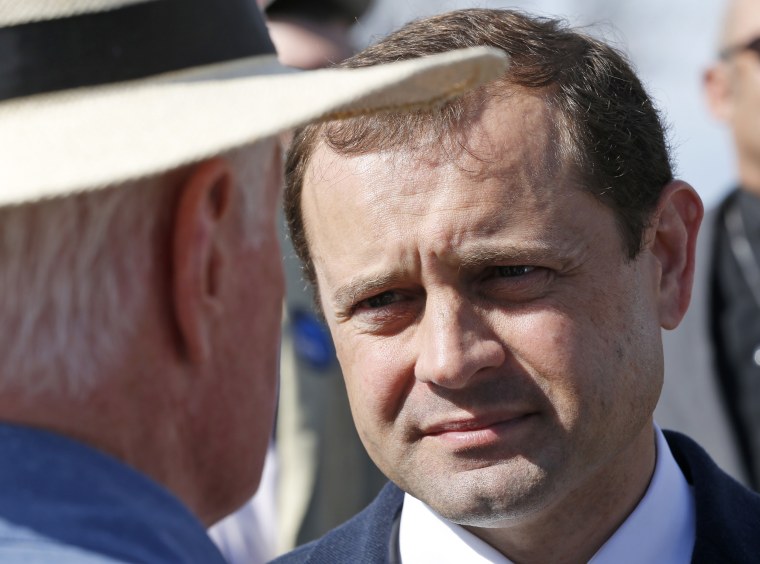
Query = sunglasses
x=752 y=45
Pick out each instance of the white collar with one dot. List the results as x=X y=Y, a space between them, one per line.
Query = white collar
x=661 y=529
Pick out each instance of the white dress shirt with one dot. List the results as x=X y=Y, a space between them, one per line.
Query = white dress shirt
x=661 y=529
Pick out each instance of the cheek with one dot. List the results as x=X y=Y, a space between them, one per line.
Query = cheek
x=565 y=355
x=549 y=346
x=745 y=117
x=597 y=361
x=376 y=381
x=261 y=310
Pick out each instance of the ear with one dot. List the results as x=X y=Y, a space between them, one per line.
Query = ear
x=673 y=241
x=717 y=86
x=197 y=258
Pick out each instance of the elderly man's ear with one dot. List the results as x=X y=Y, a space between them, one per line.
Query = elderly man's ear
x=672 y=241
x=199 y=249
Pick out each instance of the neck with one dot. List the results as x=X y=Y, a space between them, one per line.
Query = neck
x=574 y=528
x=140 y=427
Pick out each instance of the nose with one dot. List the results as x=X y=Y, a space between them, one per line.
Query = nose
x=455 y=342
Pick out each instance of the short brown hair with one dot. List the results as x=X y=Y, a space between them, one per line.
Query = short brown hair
x=610 y=130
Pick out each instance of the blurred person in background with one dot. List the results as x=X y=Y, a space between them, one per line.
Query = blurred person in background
x=712 y=387
x=140 y=275
x=312 y=35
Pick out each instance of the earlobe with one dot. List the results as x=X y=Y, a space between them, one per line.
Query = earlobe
x=674 y=227
x=203 y=202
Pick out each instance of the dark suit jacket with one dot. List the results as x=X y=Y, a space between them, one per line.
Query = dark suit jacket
x=728 y=519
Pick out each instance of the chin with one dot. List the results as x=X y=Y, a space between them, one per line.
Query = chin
x=489 y=497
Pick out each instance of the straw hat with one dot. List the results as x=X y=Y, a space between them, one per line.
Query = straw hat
x=97 y=92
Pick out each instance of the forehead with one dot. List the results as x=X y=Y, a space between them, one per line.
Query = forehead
x=503 y=174
x=742 y=22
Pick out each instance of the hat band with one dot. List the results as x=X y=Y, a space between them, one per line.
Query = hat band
x=129 y=43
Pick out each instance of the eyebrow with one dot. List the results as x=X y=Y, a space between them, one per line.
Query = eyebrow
x=347 y=295
x=505 y=253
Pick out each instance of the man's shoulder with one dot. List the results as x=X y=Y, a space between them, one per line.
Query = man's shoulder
x=728 y=514
x=20 y=544
x=62 y=497
x=364 y=538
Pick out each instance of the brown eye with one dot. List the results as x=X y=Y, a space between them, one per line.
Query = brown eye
x=513 y=271
x=381 y=300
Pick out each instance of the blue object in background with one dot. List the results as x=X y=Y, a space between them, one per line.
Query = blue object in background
x=311 y=339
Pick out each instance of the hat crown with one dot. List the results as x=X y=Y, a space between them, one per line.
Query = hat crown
x=13 y=12
x=96 y=42
x=95 y=93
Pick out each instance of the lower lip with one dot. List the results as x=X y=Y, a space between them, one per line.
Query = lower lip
x=483 y=436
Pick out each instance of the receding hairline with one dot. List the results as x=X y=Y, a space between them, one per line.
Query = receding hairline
x=430 y=131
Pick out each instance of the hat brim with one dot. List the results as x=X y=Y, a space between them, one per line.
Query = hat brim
x=84 y=139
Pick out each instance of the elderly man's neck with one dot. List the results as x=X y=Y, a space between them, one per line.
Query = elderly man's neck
x=573 y=529
x=147 y=433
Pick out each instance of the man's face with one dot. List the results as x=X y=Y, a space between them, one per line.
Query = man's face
x=739 y=107
x=499 y=349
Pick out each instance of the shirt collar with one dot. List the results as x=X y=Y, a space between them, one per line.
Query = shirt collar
x=662 y=528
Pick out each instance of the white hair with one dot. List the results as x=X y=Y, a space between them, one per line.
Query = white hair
x=74 y=277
